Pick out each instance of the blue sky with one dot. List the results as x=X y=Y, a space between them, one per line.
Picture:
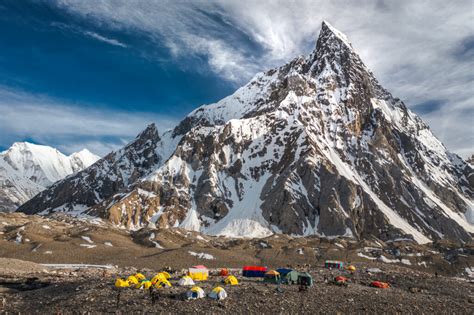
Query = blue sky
x=92 y=74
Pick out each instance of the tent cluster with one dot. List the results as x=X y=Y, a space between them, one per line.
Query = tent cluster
x=162 y=280
x=139 y=281
x=282 y=275
x=218 y=293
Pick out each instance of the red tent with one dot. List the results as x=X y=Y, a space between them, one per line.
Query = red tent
x=254 y=271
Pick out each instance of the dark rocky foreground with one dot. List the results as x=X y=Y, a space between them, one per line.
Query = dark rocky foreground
x=44 y=291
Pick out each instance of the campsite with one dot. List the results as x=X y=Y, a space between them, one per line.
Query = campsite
x=36 y=276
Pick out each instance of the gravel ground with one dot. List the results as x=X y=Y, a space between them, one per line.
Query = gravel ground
x=92 y=290
x=28 y=286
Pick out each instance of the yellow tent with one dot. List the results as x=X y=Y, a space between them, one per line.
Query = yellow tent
x=160 y=276
x=120 y=283
x=132 y=280
x=198 y=274
x=146 y=284
x=165 y=274
x=231 y=280
x=162 y=284
x=351 y=268
x=139 y=276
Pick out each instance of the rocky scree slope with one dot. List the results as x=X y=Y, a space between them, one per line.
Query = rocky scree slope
x=315 y=147
x=27 y=169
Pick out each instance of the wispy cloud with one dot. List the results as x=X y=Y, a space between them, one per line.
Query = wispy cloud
x=420 y=50
x=104 y=39
x=67 y=126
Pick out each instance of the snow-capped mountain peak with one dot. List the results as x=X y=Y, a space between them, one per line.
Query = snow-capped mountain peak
x=27 y=168
x=314 y=147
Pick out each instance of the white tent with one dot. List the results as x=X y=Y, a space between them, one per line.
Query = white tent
x=186 y=280
x=195 y=293
x=218 y=293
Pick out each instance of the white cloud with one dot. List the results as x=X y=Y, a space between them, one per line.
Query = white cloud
x=104 y=39
x=69 y=127
x=410 y=45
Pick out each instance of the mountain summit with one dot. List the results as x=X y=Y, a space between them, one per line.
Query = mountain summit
x=314 y=147
x=27 y=168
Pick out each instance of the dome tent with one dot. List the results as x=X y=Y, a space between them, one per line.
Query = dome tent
x=160 y=276
x=186 y=280
x=195 y=293
x=232 y=280
x=218 y=293
x=139 y=276
x=120 y=283
x=288 y=276
x=162 y=284
x=145 y=284
x=132 y=280
x=305 y=279
x=272 y=276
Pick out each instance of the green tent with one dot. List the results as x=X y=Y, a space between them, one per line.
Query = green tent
x=305 y=279
x=290 y=277
x=272 y=276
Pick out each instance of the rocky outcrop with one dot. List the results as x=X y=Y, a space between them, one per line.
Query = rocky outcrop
x=102 y=180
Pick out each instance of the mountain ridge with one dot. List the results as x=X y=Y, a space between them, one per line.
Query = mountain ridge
x=27 y=169
x=314 y=147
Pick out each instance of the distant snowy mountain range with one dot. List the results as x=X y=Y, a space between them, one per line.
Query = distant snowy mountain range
x=27 y=169
x=314 y=147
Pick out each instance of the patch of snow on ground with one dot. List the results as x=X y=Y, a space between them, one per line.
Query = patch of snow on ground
x=339 y=245
x=48 y=252
x=300 y=251
x=365 y=256
x=199 y=237
x=88 y=245
x=151 y=239
x=77 y=266
x=470 y=272
x=108 y=244
x=201 y=255
x=87 y=239
x=47 y=227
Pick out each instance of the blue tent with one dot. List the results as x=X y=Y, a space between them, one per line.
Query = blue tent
x=284 y=271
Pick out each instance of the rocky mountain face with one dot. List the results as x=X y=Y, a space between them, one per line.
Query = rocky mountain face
x=102 y=180
x=315 y=147
x=27 y=169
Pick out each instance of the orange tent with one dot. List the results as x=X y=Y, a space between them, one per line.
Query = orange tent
x=380 y=284
x=224 y=272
